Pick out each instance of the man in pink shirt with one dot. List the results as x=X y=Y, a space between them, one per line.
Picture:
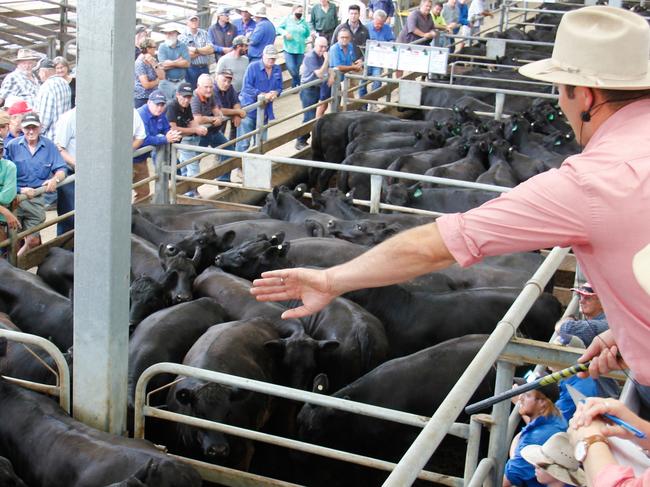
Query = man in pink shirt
x=597 y=202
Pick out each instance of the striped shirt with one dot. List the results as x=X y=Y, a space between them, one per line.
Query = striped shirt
x=20 y=84
x=200 y=39
x=54 y=98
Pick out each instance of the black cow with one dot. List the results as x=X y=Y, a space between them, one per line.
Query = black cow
x=469 y=168
x=386 y=140
x=57 y=270
x=250 y=259
x=50 y=449
x=146 y=296
x=18 y=361
x=443 y=200
x=34 y=307
x=166 y=336
x=415 y=320
x=416 y=384
x=420 y=162
x=500 y=173
x=8 y=477
x=238 y=348
x=192 y=216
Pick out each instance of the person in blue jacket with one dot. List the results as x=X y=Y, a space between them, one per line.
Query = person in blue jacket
x=263 y=35
x=543 y=420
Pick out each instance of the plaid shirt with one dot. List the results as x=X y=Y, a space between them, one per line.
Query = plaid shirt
x=198 y=40
x=54 y=97
x=19 y=84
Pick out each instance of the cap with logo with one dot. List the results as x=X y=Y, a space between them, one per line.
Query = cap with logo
x=240 y=41
x=226 y=72
x=31 y=120
x=192 y=17
x=584 y=290
x=270 y=51
x=45 y=63
x=157 y=97
x=223 y=11
x=185 y=89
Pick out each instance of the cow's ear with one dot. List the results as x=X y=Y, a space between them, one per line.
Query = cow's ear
x=185 y=396
x=315 y=228
x=276 y=346
x=316 y=197
x=299 y=190
x=321 y=384
x=328 y=345
x=277 y=239
x=349 y=196
x=276 y=192
x=418 y=135
x=416 y=188
x=162 y=256
x=227 y=239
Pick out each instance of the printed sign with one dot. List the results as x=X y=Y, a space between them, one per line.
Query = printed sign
x=438 y=59
x=380 y=55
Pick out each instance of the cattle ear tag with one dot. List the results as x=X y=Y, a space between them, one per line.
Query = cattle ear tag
x=514 y=127
x=490 y=149
x=417 y=193
x=551 y=117
x=320 y=387
x=280 y=247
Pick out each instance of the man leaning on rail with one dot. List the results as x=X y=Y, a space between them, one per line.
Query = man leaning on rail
x=596 y=202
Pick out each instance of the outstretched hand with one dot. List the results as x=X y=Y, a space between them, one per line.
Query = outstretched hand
x=311 y=286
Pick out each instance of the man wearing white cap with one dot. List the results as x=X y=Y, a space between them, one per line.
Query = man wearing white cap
x=595 y=202
x=222 y=33
x=262 y=78
x=21 y=82
x=262 y=36
x=174 y=57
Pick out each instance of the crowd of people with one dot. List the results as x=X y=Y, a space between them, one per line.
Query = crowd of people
x=176 y=98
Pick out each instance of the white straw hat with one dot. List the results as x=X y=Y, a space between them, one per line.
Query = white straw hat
x=598 y=47
x=556 y=458
x=259 y=10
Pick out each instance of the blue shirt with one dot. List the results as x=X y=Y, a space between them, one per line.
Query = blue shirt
x=32 y=170
x=155 y=128
x=256 y=82
x=310 y=63
x=519 y=471
x=385 y=5
x=244 y=30
x=340 y=58
x=262 y=36
x=173 y=53
x=463 y=11
x=589 y=387
x=385 y=34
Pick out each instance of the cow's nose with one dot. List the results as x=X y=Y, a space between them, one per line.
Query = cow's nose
x=218 y=451
x=181 y=298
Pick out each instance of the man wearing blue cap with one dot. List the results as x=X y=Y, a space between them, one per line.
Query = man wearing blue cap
x=158 y=131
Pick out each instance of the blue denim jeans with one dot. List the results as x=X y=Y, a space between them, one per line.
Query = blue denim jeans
x=374 y=71
x=308 y=97
x=214 y=139
x=64 y=204
x=193 y=73
x=293 y=62
x=247 y=125
x=193 y=168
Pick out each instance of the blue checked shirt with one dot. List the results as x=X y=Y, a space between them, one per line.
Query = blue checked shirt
x=200 y=39
x=54 y=98
x=19 y=84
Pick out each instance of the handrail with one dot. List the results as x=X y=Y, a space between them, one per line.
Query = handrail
x=429 y=439
x=62 y=378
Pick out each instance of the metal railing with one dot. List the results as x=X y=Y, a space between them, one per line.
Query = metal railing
x=62 y=374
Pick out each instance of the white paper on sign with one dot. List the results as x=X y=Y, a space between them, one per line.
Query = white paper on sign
x=438 y=61
x=416 y=60
x=495 y=48
x=381 y=56
x=257 y=172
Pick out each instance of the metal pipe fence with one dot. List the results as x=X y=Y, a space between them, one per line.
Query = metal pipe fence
x=62 y=374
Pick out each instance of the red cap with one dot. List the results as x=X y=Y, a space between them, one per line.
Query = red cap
x=19 y=108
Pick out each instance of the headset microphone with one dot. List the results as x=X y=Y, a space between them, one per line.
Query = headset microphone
x=585 y=116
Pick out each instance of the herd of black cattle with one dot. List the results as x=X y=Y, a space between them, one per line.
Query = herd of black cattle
x=401 y=347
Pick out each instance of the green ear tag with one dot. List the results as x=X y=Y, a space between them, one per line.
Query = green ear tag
x=514 y=128
x=418 y=193
x=551 y=117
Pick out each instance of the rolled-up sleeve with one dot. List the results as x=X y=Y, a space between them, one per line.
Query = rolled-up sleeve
x=619 y=476
x=542 y=212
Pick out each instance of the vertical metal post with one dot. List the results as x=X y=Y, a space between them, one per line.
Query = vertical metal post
x=507 y=16
x=51 y=47
x=498 y=446
x=13 y=247
x=502 y=15
x=375 y=192
x=204 y=18
x=259 y=123
x=499 y=100
x=346 y=87
x=163 y=165
x=336 y=92
x=103 y=212
x=389 y=85
x=473 y=444
x=174 y=168
x=63 y=26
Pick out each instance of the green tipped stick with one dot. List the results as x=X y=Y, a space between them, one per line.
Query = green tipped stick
x=536 y=384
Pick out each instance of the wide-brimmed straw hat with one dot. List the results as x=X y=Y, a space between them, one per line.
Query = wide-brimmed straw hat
x=556 y=458
x=27 y=55
x=641 y=268
x=598 y=47
x=259 y=10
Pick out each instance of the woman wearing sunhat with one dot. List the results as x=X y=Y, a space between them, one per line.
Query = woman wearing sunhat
x=555 y=465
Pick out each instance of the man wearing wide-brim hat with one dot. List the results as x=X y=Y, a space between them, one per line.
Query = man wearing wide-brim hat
x=245 y=25
x=596 y=202
x=174 y=57
x=263 y=35
x=21 y=82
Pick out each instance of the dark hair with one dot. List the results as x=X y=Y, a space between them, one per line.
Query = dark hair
x=354 y=7
x=438 y=4
x=343 y=29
